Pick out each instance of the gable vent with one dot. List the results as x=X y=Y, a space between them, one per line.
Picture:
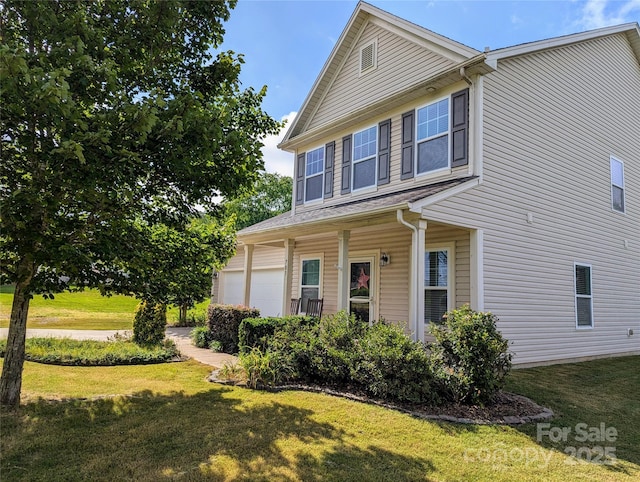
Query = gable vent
x=368 y=57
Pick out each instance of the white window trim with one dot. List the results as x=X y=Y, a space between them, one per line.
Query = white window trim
x=321 y=173
x=374 y=66
x=370 y=187
x=450 y=249
x=613 y=159
x=576 y=295
x=311 y=257
x=418 y=141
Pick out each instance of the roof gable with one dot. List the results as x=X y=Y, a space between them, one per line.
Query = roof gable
x=365 y=20
x=631 y=31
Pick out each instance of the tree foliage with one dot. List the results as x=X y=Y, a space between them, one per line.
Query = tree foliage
x=268 y=197
x=177 y=266
x=115 y=114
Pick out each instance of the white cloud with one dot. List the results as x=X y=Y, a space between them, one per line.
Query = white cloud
x=276 y=160
x=603 y=13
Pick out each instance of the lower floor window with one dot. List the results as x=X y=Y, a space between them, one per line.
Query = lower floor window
x=584 y=297
x=436 y=285
x=310 y=282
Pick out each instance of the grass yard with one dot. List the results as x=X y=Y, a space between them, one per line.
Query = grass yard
x=165 y=422
x=83 y=310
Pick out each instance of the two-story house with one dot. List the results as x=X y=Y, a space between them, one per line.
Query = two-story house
x=429 y=175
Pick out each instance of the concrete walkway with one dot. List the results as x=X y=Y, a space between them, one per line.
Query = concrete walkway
x=180 y=336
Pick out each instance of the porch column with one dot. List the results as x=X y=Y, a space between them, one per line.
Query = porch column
x=419 y=289
x=343 y=270
x=476 y=267
x=289 y=244
x=248 y=265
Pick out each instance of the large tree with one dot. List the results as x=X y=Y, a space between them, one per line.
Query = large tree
x=269 y=196
x=113 y=113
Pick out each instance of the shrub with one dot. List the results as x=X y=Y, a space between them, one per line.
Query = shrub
x=150 y=323
x=264 y=368
x=469 y=356
x=389 y=365
x=224 y=321
x=257 y=332
x=200 y=337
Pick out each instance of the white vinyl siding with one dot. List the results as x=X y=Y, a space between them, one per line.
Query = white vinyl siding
x=617 y=184
x=365 y=147
x=400 y=63
x=584 y=297
x=534 y=164
x=314 y=175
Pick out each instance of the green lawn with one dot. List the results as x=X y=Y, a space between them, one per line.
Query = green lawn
x=165 y=422
x=84 y=310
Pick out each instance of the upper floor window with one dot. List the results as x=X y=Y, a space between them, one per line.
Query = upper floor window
x=617 y=184
x=365 y=148
x=314 y=169
x=433 y=136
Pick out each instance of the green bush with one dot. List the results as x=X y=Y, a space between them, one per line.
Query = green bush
x=257 y=332
x=200 y=337
x=264 y=368
x=389 y=365
x=150 y=323
x=469 y=356
x=224 y=321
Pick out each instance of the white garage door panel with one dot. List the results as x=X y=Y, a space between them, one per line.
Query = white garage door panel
x=266 y=291
x=232 y=293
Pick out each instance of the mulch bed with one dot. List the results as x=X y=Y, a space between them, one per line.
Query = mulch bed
x=505 y=408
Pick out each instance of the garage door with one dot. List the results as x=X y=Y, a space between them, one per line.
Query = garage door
x=232 y=293
x=266 y=291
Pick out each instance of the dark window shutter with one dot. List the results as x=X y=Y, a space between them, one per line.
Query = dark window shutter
x=384 y=151
x=329 y=158
x=345 y=183
x=300 y=167
x=460 y=128
x=408 y=133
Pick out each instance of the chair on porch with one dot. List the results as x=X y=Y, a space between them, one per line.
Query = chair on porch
x=314 y=307
x=294 y=308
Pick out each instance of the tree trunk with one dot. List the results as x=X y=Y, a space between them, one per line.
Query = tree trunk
x=182 y=320
x=11 y=381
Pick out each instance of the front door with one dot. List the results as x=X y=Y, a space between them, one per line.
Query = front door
x=362 y=288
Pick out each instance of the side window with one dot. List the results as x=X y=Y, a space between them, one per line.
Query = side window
x=365 y=148
x=314 y=170
x=309 y=281
x=584 y=296
x=617 y=184
x=433 y=137
x=436 y=285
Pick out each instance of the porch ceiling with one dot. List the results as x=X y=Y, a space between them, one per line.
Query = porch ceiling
x=348 y=215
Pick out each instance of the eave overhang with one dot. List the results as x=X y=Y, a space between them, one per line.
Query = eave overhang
x=349 y=215
x=470 y=67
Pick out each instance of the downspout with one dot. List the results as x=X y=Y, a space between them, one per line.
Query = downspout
x=414 y=272
x=463 y=74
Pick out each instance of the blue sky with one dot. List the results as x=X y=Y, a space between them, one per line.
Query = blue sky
x=285 y=43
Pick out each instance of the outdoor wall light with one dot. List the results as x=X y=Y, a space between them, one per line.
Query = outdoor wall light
x=384 y=259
